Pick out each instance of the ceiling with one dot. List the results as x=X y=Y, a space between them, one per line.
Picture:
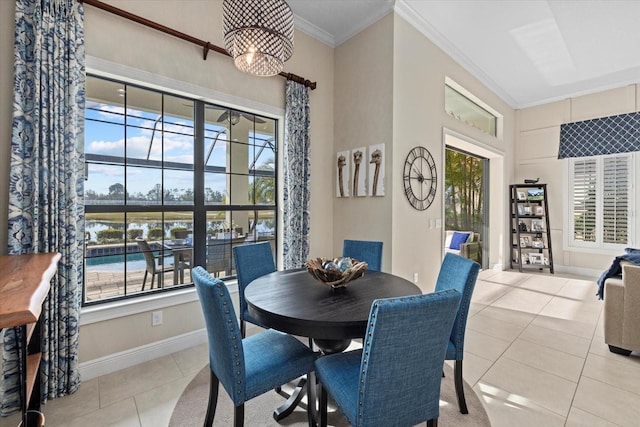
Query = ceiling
x=527 y=52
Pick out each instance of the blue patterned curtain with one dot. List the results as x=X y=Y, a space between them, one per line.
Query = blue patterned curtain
x=297 y=146
x=46 y=210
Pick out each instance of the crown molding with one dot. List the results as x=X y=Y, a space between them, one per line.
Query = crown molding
x=403 y=9
x=374 y=17
x=313 y=31
x=334 y=41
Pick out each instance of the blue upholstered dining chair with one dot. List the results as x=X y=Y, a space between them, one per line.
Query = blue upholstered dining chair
x=395 y=378
x=364 y=250
x=246 y=367
x=460 y=274
x=252 y=261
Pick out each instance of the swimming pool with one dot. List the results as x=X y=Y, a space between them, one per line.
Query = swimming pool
x=116 y=262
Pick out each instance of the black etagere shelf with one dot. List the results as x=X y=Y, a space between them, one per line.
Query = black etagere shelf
x=530 y=232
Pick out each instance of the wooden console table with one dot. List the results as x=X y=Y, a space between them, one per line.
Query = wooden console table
x=24 y=284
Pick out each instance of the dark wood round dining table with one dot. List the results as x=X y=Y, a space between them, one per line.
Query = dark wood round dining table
x=294 y=302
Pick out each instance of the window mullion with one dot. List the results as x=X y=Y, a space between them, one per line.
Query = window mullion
x=599 y=201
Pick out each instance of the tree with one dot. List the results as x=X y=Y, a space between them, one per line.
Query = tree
x=116 y=191
x=263 y=190
x=463 y=192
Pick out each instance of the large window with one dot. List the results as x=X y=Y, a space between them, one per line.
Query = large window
x=171 y=183
x=601 y=200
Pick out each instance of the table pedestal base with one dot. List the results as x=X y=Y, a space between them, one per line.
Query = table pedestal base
x=293 y=400
x=332 y=346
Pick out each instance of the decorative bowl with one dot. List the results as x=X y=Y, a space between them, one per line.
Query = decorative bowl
x=336 y=272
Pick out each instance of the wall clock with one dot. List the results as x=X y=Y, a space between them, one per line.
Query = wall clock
x=420 y=178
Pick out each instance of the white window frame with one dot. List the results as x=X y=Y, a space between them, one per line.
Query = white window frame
x=599 y=246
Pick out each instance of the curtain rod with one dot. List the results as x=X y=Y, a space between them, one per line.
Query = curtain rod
x=167 y=30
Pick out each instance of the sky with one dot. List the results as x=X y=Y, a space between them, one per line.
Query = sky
x=105 y=135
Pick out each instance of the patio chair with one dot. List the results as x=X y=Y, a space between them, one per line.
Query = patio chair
x=395 y=378
x=247 y=367
x=153 y=268
x=460 y=274
x=364 y=250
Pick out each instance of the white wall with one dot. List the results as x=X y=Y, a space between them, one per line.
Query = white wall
x=538 y=139
x=363 y=114
x=390 y=89
x=419 y=117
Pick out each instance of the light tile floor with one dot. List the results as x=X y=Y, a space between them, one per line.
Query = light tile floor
x=535 y=356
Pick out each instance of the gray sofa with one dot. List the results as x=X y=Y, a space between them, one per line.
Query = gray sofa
x=622 y=310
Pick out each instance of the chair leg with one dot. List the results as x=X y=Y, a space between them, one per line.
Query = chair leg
x=144 y=279
x=243 y=328
x=238 y=416
x=213 y=399
x=432 y=422
x=322 y=422
x=459 y=382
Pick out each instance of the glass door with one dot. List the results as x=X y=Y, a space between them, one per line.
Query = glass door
x=465 y=201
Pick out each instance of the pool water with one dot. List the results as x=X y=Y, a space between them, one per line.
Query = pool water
x=116 y=262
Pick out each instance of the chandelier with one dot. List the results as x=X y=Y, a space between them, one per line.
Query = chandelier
x=258 y=34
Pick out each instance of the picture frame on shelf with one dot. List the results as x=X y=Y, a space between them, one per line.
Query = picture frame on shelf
x=522 y=226
x=539 y=211
x=536 y=259
x=537 y=243
x=537 y=225
x=525 y=242
x=520 y=209
x=528 y=210
x=535 y=194
x=522 y=195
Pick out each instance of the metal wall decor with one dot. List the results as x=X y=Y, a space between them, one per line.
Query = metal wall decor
x=258 y=34
x=420 y=178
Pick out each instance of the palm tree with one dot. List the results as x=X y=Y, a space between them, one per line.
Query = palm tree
x=263 y=190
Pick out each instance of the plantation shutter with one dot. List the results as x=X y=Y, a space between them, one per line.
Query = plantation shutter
x=615 y=209
x=584 y=200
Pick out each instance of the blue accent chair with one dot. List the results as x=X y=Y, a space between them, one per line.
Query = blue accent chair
x=363 y=250
x=246 y=367
x=252 y=261
x=395 y=378
x=460 y=274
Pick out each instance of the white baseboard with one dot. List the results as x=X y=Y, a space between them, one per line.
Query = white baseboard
x=125 y=359
x=578 y=271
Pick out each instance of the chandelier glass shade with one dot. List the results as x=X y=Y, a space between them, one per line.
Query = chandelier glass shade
x=258 y=34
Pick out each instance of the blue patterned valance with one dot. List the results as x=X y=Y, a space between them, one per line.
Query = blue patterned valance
x=607 y=135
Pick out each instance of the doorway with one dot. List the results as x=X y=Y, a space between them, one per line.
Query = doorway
x=494 y=196
x=466 y=206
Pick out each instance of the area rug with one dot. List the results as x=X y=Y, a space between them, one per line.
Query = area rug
x=192 y=407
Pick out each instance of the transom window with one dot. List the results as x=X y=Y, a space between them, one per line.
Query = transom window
x=463 y=106
x=171 y=182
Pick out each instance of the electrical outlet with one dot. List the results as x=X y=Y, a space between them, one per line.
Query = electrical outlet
x=156 y=318
x=415 y=277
